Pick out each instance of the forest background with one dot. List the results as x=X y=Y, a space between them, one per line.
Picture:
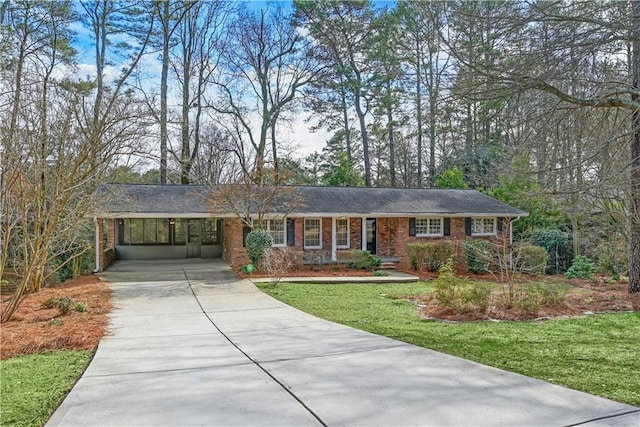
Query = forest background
x=536 y=103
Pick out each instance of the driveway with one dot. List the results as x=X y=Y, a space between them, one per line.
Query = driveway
x=192 y=345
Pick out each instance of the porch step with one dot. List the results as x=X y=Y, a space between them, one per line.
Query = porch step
x=387 y=265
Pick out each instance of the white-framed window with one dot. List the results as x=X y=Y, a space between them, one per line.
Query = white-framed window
x=483 y=226
x=429 y=227
x=275 y=227
x=312 y=233
x=342 y=233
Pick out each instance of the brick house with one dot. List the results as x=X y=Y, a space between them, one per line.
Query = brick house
x=174 y=221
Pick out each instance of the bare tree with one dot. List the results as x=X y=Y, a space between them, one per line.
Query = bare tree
x=266 y=69
x=254 y=197
x=65 y=135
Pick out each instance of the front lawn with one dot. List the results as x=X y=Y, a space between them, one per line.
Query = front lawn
x=33 y=386
x=596 y=354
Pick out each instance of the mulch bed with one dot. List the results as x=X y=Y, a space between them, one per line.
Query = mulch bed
x=588 y=297
x=31 y=331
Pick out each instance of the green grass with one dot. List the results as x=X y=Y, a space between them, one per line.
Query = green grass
x=33 y=386
x=595 y=354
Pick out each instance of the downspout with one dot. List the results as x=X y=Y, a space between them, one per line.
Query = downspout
x=97 y=269
x=511 y=242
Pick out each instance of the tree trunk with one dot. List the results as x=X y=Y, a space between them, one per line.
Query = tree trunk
x=634 y=238
x=365 y=140
x=392 y=147
x=164 y=136
x=419 y=108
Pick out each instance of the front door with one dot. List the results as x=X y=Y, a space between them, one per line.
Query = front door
x=371 y=235
x=193 y=238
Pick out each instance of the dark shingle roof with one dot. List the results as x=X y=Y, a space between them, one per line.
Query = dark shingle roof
x=190 y=200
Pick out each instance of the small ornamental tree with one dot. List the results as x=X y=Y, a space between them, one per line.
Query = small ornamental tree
x=258 y=241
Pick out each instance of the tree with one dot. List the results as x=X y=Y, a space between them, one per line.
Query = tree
x=267 y=66
x=594 y=36
x=195 y=59
x=451 y=178
x=253 y=197
x=63 y=134
x=423 y=25
x=341 y=32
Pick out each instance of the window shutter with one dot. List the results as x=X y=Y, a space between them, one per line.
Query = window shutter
x=446 y=229
x=499 y=225
x=291 y=232
x=245 y=230
x=412 y=226
x=467 y=226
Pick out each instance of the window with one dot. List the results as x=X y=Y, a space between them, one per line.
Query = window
x=312 y=233
x=429 y=227
x=145 y=231
x=275 y=227
x=342 y=232
x=180 y=232
x=209 y=231
x=483 y=226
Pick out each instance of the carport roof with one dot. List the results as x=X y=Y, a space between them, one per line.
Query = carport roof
x=138 y=200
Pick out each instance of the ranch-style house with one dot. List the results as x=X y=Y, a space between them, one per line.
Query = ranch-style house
x=143 y=222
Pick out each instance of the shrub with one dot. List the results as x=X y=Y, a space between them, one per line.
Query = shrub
x=530 y=259
x=316 y=258
x=449 y=292
x=50 y=303
x=358 y=259
x=430 y=255
x=437 y=254
x=478 y=255
x=80 y=307
x=416 y=253
x=557 y=244
x=65 y=304
x=446 y=285
x=256 y=243
x=531 y=296
x=277 y=262
x=56 y=321
x=581 y=268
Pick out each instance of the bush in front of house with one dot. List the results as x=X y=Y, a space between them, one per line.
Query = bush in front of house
x=277 y=262
x=530 y=259
x=257 y=242
x=450 y=292
x=581 y=268
x=430 y=255
x=478 y=255
x=358 y=259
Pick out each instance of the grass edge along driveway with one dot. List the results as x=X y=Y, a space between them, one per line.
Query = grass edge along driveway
x=596 y=354
x=33 y=386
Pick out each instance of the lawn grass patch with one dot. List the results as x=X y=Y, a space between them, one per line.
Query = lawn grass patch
x=596 y=354
x=33 y=386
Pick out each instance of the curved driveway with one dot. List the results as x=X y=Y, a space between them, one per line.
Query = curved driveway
x=192 y=345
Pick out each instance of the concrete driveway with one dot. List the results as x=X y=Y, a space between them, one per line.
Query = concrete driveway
x=192 y=345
